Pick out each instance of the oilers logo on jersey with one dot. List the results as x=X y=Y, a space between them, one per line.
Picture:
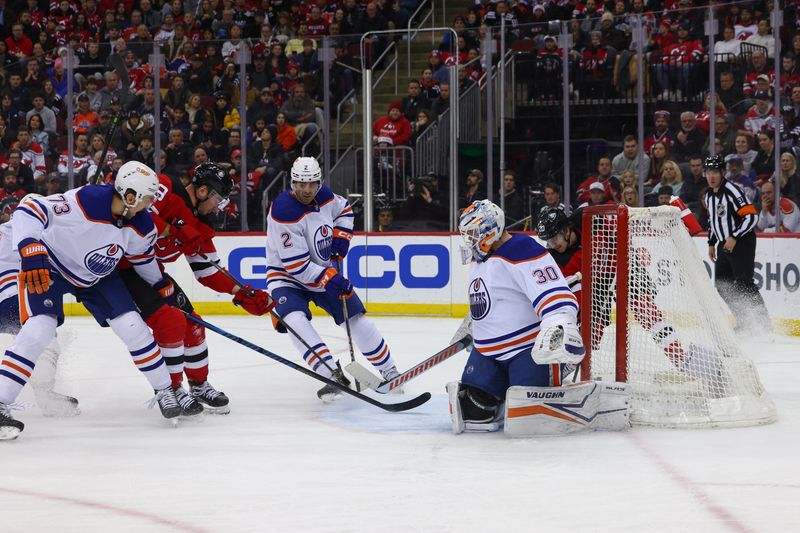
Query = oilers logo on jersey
x=103 y=260
x=480 y=303
x=323 y=238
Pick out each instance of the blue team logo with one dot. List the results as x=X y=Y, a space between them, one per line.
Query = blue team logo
x=103 y=260
x=480 y=303
x=323 y=238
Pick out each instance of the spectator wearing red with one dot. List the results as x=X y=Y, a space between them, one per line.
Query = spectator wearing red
x=317 y=25
x=429 y=87
x=394 y=126
x=593 y=65
x=17 y=44
x=81 y=157
x=32 y=153
x=677 y=61
x=661 y=133
x=597 y=194
x=759 y=61
x=605 y=178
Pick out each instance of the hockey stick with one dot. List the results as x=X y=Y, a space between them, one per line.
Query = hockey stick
x=392 y=407
x=273 y=314
x=109 y=136
x=373 y=382
x=347 y=328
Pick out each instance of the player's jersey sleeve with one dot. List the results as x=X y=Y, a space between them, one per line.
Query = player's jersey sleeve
x=30 y=220
x=688 y=218
x=140 y=252
x=206 y=273
x=344 y=219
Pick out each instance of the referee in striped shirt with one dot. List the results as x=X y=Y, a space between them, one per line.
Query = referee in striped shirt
x=732 y=246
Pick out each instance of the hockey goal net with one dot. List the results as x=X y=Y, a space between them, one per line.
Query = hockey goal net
x=651 y=317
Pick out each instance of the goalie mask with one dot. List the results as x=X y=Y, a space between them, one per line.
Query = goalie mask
x=481 y=225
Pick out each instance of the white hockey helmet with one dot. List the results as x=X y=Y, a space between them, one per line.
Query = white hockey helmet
x=306 y=170
x=480 y=224
x=137 y=177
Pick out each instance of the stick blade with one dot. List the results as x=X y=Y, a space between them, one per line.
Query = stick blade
x=363 y=375
x=407 y=405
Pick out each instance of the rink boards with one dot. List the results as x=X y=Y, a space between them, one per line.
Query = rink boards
x=422 y=274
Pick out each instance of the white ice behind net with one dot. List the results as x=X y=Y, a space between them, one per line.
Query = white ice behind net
x=685 y=366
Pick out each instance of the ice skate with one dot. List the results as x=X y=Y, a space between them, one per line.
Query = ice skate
x=214 y=401
x=388 y=375
x=10 y=428
x=189 y=406
x=165 y=398
x=328 y=393
x=56 y=405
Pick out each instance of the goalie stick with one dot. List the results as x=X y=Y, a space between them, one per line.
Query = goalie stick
x=373 y=382
x=391 y=407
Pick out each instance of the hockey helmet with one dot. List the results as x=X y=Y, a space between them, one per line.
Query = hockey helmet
x=138 y=178
x=481 y=224
x=306 y=170
x=213 y=177
x=551 y=221
x=714 y=162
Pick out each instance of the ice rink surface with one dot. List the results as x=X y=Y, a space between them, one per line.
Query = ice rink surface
x=283 y=461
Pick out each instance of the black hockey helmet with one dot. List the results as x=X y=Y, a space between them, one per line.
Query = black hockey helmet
x=213 y=177
x=551 y=221
x=714 y=162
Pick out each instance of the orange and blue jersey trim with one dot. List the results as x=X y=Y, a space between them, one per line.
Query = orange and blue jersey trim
x=510 y=343
x=553 y=299
x=37 y=213
x=68 y=275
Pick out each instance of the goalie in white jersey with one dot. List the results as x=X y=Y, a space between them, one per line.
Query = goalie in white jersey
x=71 y=243
x=308 y=229
x=524 y=326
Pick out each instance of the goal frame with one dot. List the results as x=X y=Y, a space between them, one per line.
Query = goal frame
x=587 y=285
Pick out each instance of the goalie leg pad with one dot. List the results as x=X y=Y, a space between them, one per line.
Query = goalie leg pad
x=545 y=411
x=472 y=409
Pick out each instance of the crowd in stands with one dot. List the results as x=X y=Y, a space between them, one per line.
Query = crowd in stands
x=199 y=80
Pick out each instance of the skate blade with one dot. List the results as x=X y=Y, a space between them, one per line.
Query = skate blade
x=60 y=412
x=198 y=418
x=222 y=410
x=9 y=433
x=330 y=398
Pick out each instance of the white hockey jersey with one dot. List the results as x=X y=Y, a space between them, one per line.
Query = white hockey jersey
x=517 y=290
x=299 y=238
x=84 y=240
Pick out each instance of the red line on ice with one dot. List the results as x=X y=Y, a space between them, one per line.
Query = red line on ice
x=178 y=526
x=704 y=500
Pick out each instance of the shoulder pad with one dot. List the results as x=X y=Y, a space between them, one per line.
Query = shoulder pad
x=287 y=209
x=95 y=201
x=324 y=195
x=519 y=249
x=142 y=222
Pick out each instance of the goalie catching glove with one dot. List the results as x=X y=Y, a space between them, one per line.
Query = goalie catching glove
x=558 y=344
x=34 y=269
x=254 y=302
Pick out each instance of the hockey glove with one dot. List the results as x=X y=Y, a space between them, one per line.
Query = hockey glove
x=341 y=243
x=190 y=239
x=336 y=285
x=254 y=302
x=558 y=344
x=35 y=267
x=166 y=289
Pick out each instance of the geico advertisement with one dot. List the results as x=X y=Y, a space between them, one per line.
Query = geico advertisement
x=428 y=269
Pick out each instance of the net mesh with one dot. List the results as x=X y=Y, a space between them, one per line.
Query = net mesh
x=684 y=364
